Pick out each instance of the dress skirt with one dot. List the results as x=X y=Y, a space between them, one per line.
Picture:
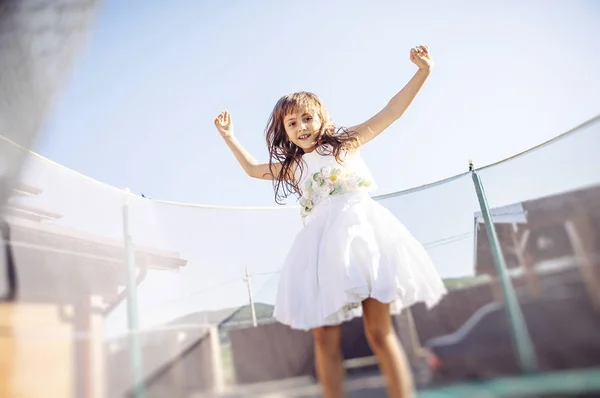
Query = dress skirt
x=352 y=248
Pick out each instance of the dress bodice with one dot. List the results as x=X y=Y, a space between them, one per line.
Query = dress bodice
x=323 y=176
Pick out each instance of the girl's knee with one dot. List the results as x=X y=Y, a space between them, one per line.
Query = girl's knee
x=327 y=336
x=378 y=333
x=377 y=321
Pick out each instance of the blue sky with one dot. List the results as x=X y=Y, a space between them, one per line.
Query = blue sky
x=138 y=109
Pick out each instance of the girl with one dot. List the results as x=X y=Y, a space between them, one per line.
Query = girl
x=353 y=257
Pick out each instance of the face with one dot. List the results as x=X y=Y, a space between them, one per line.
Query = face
x=302 y=128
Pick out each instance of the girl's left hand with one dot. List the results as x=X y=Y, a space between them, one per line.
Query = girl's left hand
x=421 y=57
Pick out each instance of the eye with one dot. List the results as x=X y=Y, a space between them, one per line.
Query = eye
x=291 y=124
x=309 y=118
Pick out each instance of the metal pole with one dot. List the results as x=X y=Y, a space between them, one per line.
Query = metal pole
x=132 y=308
x=521 y=339
x=252 y=309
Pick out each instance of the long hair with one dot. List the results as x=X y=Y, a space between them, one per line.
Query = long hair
x=329 y=141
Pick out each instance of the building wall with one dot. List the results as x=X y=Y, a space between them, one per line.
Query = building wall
x=548 y=240
x=33 y=364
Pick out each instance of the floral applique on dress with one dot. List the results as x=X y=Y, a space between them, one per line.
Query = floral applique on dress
x=329 y=181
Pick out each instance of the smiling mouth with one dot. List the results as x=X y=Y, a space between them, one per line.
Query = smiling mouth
x=303 y=137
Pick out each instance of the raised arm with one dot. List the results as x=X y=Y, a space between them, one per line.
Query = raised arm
x=250 y=165
x=400 y=102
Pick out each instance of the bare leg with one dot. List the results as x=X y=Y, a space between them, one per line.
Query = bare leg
x=328 y=360
x=384 y=343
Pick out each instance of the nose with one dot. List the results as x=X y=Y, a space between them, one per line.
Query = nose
x=303 y=127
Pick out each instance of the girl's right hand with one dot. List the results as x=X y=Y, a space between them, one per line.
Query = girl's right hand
x=224 y=125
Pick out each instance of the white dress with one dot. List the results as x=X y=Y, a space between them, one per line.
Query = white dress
x=349 y=249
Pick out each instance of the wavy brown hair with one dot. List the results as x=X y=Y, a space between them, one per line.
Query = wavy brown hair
x=330 y=141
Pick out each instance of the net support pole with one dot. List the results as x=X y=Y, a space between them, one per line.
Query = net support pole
x=250 y=298
x=132 y=308
x=520 y=335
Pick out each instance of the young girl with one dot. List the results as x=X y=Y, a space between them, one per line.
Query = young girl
x=353 y=257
